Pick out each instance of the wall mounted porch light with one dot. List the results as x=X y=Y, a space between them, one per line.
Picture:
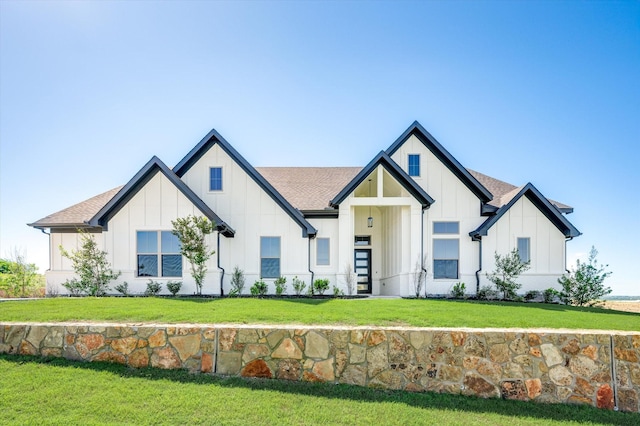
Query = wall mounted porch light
x=370 y=218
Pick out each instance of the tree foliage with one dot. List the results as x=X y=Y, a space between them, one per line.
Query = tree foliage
x=508 y=269
x=584 y=284
x=192 y=232
x=91 y=266
x=19 y=278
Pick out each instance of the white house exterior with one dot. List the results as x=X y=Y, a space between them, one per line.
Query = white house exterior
x=412 y=207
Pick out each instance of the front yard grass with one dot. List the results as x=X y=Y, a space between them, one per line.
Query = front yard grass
x=56 y=391
x=374 y=312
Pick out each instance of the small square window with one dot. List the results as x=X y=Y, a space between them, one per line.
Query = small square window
x=414 y=164
x=215 y=179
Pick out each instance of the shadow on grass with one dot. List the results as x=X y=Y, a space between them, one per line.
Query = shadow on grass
x=301 y=299
x=537 y=411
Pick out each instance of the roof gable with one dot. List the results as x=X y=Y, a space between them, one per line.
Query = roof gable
x=549 y=210
x=444 y=156
x=395 y=171
x=154 y=166
x=213 y=138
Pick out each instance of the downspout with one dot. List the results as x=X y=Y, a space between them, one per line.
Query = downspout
x=566 y=240
x=479 y=240
x=50 y=254
x=220 y=268
x=309 y=264
x=424 y=271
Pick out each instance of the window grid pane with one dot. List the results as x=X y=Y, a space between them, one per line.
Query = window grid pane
x=414 y=165
x=445 y=258
x=269 y=257
x=215 y=179
x=322 y=251
x=147 y=241
x=147 y=265
x=446 y=227
x=171 y=265
x=170 y=243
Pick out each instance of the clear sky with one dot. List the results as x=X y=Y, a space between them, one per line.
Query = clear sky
x=542 y=92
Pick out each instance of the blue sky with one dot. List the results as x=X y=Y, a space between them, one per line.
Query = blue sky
x=546 y=92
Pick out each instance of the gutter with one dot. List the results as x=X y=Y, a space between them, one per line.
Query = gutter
x=478 y=238
x=566 y=240
x=424 y=271
x=220 y=268
x=309 y=264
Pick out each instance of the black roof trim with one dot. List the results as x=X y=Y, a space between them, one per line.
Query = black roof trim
x=444 y=156
x=212 y=138
x=321 y=214
x=394 y=170
x=141 y=178
x=549 y=210
x=488 y=209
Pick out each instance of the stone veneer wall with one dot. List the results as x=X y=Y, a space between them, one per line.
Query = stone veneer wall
x=531 y=365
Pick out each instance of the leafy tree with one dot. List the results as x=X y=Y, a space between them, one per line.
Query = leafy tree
x=192 y=232
x=584 y=284
x=508 y=269
x=92 y=267
x=18 y=278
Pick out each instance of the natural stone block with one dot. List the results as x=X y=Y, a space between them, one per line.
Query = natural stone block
x=560 y=376
x=572 y=347
x=276 y=337
x=125 y=345
x=253 y=351
x=602 y=377
x=399 y=349
x=535 y=352
x=110 y=356
x=145 y=332
x=342 y=359
x=514 y=389
x=583 y=366
x=354 y=375
x=209 y=333
x=317 y=345
x=490 y=369
x=339 y=339
x=36 y=335
x=563 y=393
x=622 y=375
x=358 y=354
x=387 y=380
x=376 y=337
x=206 y=363
x=476 y=385
x=499 y=352
x=474 y=346
x=580 y=400
x=157 y=339
x=289 y=369
x=604 y=397
x=634 y=371
x=53 y=352
x=184 y=331
x=628 y=400
x=14 y=336
x=229 y=363
x=626 y=355
x=377 y=360
x=590 y=351
x=552 y=355
x=166 y=358
x=534 y=339
x=358 y=336
x=247 y=335
x=519 y=346
x=534 y=388
x=458 y=337
x=87 y=344
x=226 y=338
x=419 y=338
x=27 y=348
x=138 y=359
x=512 y=370
x=583 y=387
x=257 y=368
x=413 y=387
x=449 y=373
x=494 y=337
x=287 y=349
x=54 y=337
x=470 y=362
x=186 y=345
x=324 y=370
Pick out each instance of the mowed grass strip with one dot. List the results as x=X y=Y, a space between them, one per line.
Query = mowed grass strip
x=374 y=312
x=56 y=391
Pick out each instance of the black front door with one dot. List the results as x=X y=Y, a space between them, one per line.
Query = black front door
x=363 y=270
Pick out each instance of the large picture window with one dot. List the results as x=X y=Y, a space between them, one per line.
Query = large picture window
x=215 y=179
x=414 y=165
x=524 y=245
x=322 y=251
x=158 y=254
x=445 y=258
x=269 y=257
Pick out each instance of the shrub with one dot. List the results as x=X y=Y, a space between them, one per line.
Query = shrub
x=508 y=269
x=419 y=277
x=122 y=288
x=174 y=287
x=584 y=284
x=549 y=295
x=153 y=288
x=458 y=290
x=337 y=291
x=237 y=281
x=531 y=294
x=298 y=285
x=259 y=288
x=281 y=286
x=350 y=278
x=320 y=286
x=487 y=293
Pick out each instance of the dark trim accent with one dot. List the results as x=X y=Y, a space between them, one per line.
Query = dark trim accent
x=565 y=210
x=395 y=171
x=212 y=138
x=488 y=209
x=444 y=156
x=479 y=240
x=220 y=267
x=154 y=166
x=321 y=214
x=309 y=262
x=549 y=210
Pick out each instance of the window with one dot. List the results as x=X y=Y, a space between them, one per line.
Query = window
x=215 y=179
x=322 y=251
x=269 y=257
x=153 y=257
x=446 y=227
x=414 y=164
x=523 y=249
x=445 y=259
x=362 y=240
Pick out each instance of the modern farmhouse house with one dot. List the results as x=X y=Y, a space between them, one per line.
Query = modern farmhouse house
x=413 y=206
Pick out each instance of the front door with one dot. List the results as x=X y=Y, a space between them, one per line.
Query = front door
x=363 y=270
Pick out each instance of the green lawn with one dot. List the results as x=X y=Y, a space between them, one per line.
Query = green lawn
x=57 y=391
x=378 y=312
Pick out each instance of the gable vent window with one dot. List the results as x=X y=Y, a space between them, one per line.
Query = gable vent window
x=414 y=164
x=215 y=179
x=524 y=246
x=158 y=254
x=446 y=227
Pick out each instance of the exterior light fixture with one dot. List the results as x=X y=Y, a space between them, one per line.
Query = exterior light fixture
x=370 y=218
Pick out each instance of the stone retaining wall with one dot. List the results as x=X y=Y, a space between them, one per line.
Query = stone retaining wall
x=530 y=365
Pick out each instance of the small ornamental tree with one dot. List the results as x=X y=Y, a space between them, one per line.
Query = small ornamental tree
x=192 y=232
x=92 y=267
x=584 y=284
x=508 y=269
x=17 y=277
